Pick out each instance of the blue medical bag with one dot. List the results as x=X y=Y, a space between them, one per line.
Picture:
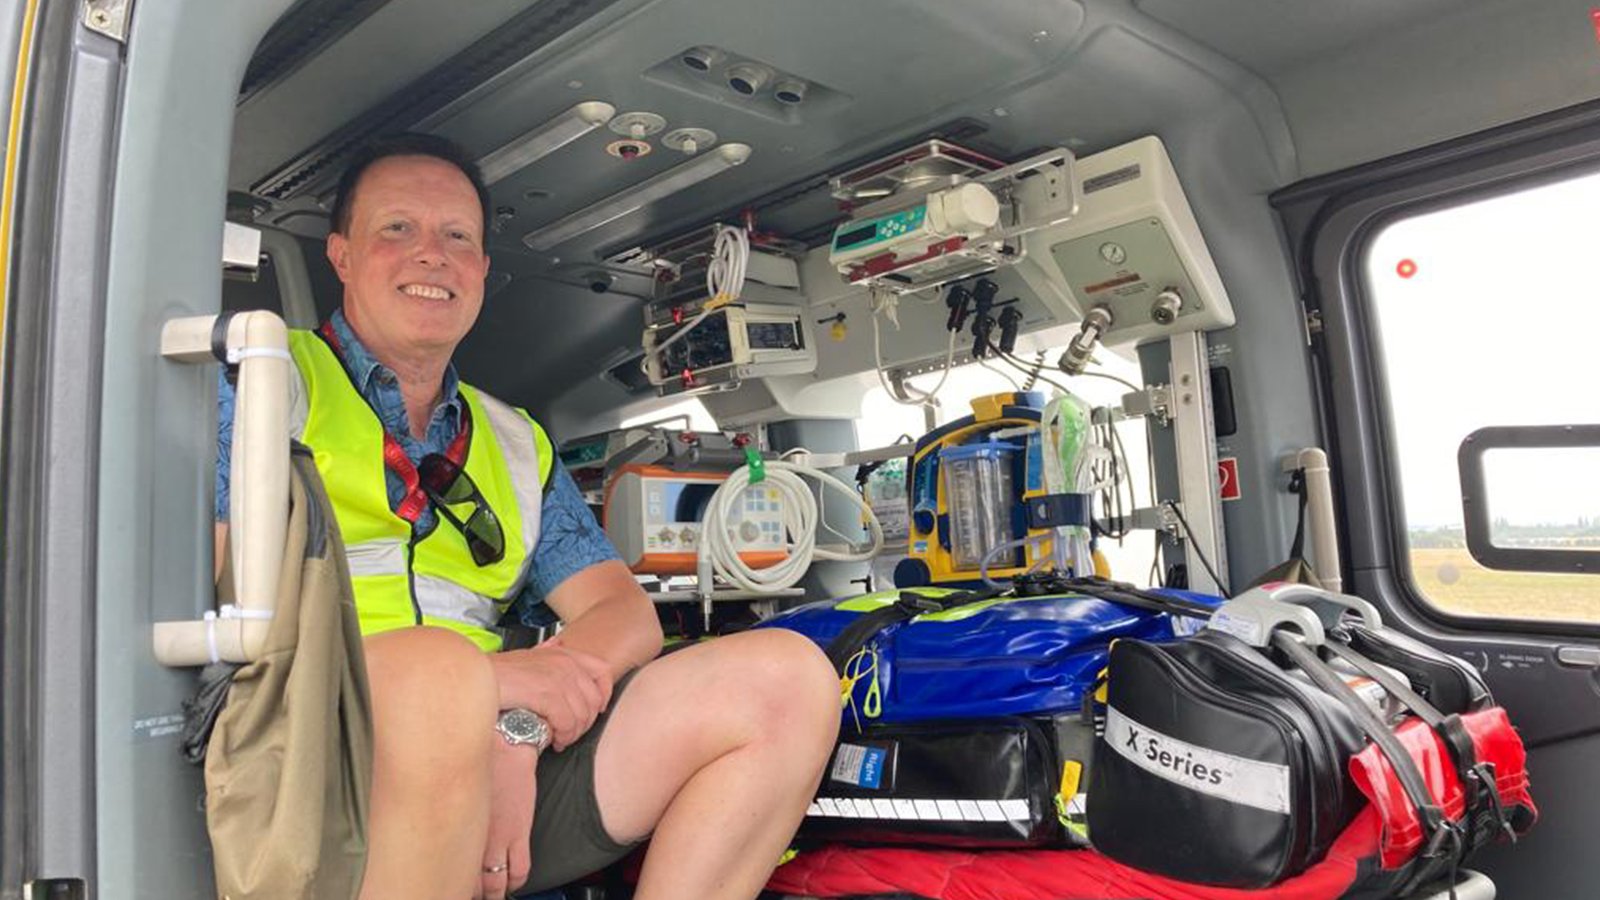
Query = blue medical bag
x=947 y=654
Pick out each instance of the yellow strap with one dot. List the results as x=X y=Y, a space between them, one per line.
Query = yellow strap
x=1071 y=774
x=854 y=671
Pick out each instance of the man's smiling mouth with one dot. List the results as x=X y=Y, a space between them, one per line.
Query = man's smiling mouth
x=427 y=291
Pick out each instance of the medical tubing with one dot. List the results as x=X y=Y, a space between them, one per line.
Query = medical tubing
x=718 y=555
x=926 y=397
x=996 y=550
x=724 y=280
x=1066 y=428
x=1012 y=361
x=1002 y=373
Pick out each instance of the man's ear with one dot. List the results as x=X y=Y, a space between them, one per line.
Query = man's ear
x=339 y=255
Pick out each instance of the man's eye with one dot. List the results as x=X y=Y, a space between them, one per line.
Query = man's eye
x=397 y=227
x=460 y=236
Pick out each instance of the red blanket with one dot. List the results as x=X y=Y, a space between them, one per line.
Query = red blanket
x=837 y=871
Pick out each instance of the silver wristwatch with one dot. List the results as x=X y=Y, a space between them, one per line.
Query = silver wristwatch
x=524 y=726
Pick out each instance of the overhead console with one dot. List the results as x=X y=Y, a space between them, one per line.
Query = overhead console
x=938 y=241
x=1132 y=256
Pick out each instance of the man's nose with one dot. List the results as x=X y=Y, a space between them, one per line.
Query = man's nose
x=429 y=251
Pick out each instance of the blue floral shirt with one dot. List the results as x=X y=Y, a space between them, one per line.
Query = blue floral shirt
x=570 y=540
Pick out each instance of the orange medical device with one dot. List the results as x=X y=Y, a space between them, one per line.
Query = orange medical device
x=653 y=516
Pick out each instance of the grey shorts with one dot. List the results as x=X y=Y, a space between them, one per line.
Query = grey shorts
x=569 y=841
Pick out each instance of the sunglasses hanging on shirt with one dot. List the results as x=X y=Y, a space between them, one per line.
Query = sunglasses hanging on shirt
x=447 y=485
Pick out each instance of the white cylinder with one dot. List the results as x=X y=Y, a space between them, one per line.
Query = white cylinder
x=968 y=209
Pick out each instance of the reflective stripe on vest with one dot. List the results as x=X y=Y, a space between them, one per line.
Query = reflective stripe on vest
x=400 y=581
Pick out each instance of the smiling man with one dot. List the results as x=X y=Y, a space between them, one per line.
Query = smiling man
x=497 y=771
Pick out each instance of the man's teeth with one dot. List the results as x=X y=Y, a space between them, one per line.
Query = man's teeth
x=426 y=291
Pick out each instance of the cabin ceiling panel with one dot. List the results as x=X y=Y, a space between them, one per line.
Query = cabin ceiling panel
x=1273 y=37
x=899 y=67
x=1488 y=64
x=381 y=55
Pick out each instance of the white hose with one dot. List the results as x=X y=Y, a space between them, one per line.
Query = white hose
x=720 y=556
x=919 y=396
x=730 y=256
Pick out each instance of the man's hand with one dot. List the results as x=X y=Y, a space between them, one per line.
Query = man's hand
x=567 y=687
x=505 y=859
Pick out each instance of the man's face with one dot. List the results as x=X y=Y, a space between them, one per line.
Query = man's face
x=412 y=260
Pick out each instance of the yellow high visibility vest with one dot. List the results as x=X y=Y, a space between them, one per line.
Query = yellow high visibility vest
x=401 y=581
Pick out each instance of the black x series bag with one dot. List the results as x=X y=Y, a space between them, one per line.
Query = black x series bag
x=1227 y=765
x=1243 y=764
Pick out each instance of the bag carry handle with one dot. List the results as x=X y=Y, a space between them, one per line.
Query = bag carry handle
x=1307 y=595
x=1440 y=832
x=1457 y=740
x=1112 y=591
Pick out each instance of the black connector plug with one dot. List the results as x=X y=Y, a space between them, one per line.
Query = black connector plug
x=956 y=298
x=1010 y=324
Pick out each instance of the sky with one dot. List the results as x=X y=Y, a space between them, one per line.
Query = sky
x=1498 y=324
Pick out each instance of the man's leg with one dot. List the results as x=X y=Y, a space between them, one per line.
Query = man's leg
x=718 y=750
x=434 y=704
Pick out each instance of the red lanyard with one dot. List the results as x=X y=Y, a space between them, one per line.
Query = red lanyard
x=394 y=456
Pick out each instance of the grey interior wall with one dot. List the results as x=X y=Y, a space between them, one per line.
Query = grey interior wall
x=12 y=15
x=1230 y=145
x=1265 y=351
x=184 y=62
x=69 y=151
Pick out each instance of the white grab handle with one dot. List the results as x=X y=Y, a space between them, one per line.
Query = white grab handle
x=1319 y=513
x=258 y=518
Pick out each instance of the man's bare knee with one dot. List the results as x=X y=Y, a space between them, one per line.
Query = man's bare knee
x=792 y=686
x=432 y=684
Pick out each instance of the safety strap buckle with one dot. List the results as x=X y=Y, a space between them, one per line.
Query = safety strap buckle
x=912 y=601
x=1445 y=842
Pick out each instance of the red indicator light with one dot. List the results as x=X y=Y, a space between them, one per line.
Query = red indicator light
x=1594 y=17
x=1406 y=269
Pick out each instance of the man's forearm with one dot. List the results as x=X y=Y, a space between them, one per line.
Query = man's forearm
x=621 y=629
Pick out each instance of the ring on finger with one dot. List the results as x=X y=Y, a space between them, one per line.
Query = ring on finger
x=495 y=870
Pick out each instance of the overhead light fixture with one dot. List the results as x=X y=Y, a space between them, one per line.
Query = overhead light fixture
x=720 y=159
x=545 y=139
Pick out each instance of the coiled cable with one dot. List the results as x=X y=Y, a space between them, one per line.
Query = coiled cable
x=730 y=257
x=719 y=556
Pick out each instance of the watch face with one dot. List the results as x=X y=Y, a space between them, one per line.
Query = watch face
x=521 y=726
